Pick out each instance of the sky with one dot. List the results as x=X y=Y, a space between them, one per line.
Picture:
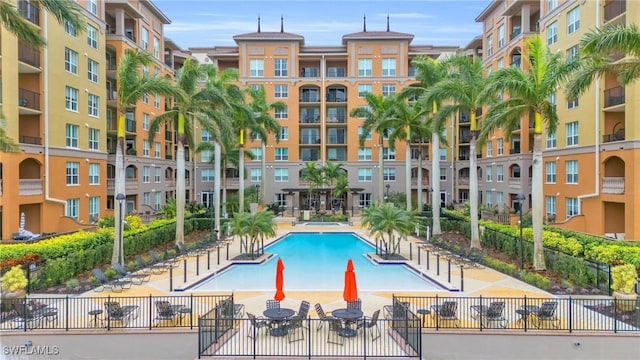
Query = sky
x=208 y=23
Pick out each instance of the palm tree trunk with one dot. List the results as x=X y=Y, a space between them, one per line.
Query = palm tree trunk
x=435 y=182
x=381 y=171
x=263 y=172
x=473 y=194
x=407 y=170
x=241 y=179
x=537 y=201
x=119 y=188
x=180 y=189
x=216 y=185
x=419 y=179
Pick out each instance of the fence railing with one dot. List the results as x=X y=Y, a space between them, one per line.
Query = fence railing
x=524 y=313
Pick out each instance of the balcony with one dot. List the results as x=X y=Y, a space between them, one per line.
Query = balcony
x=130 y=126
x=309 y=118
x=617 y=136
x=131 y=183
x=336 y=140
x=28 y=55
x=309 y=98
x=513 y=151
x=28 y=99
x=30 y=187
x=465 y=138
x=515 y=182
x=464 y=118
x=614 y=96
x=425 y=182
x=463 y=180
x=33 y=140
x=614 y=8
x=613 y=185
x=463 y=157
x=168 y=135
x=29 y=11
x=337 y=119
x=336 y=72
x=308 y=140
x=309 y=72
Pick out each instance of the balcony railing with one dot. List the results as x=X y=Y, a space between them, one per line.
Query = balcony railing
x=30 y=187
x=614 y=96
x=613 y=185
x=168 y=135
x=29 y=11
x=28 y=55
x=515 y=182
x=309 y=72
x=310 y=119
x=617 y=136
x=340 y=119
x=336 y=140
x=465 y=138
x=24 y=139
x=614 y=8
x=306 y=140
x=336 y=72
x=425 y=182
x=463 y=157
x=310 y=98
x=130 y=126
x=463 y=180
x=29 y=99
x=514 y=151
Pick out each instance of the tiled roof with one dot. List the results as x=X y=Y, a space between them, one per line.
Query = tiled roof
x=376 y=35
x=266 y=35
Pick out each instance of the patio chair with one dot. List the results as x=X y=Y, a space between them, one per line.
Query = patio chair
x=182 y=250
x=323 y=316
x=356 y=304
x=491 y=315
x=446 y=312
x=336 y=329
x=27 y=316
x=167 y=312
x=303 y=311
x=116 y=285
x=371 y=324
x=273 y=304
x=257 y=323
x=135 y=278
x=123 y=314
x=398 y=310
x=157 y=268
x=230 y=310
x=295 y=328
x=166 y=262
x=547 y=314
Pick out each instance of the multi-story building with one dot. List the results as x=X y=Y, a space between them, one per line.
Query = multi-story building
x=591 y=161
x=320 y=85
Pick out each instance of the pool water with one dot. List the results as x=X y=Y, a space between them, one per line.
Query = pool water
x=317 y=262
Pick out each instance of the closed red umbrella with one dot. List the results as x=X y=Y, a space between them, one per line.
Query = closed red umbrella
x=279 y=281
x=350 y=292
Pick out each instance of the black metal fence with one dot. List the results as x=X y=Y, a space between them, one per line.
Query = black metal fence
x=525 y=313
x=106 y=312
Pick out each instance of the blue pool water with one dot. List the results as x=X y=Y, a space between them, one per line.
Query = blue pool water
x=317 y=261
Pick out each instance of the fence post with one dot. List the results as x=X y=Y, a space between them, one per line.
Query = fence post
x=461 y=278
x=449 y=270
x=66 y=318
x=427 y=259
x=197 y=264
x=227 y=251
x=184 y=262
x=171 y=278
x=191 y=314
x=108 y=314
x=609 y=276
x=438 y=264
x=218 y=255
x=526 y=315
x=570 y=314
x=150 y=310
x=418 y=255
x=208 y=259
x=410 y=251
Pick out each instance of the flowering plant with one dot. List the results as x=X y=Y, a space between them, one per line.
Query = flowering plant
x=624 y=278
x=14 y=280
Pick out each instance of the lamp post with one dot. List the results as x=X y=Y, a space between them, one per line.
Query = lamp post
x=258 y=193
x=520 y=199
x=387 y=196
x=120 y=197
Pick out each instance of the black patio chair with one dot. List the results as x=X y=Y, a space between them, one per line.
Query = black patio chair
x=371 y=324
x=257 y=323
x=135 y=278
x=157 y=268
x=123 y=314
x=448 y=311
x=323 y=316
x=116 y=285
x=167 y=312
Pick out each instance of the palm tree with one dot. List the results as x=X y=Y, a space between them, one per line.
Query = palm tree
x=252 y=228
x=406 y=120
x=376 y=115
x=529 y=90
x=389 y=224
x=599 y=49
x=15 y=23
x=132 y=86
x=191 y=108
x=313 y=176
x=464 y=89
x=261 y=109
x=244 y=122
x=429 y=72
x=6 y=143
x=331 y=174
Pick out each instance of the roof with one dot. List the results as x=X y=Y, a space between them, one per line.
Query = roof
x=269 y=35
x=376 y=35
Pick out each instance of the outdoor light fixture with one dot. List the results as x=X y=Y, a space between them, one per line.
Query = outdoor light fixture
x=520 y=199
x=120 y=197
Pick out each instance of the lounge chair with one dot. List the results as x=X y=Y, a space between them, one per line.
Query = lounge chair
x=547 y=314
x=182 y=250
x=166 y=262
x=295 y=328
x=446 y=312
x=124 y=314
x=322 y=315
x=167 y=312
x=336 y=330
x=116 y=285
x=256 y=325
x=135 y=278
x=490 y=315
x=157 y=268
x=371 y=324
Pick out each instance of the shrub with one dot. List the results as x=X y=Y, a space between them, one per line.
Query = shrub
x=14 y=279
x=536 y=280
x=72 y=283
x=624 y=278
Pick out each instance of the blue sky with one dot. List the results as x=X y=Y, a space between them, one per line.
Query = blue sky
x=321 y=22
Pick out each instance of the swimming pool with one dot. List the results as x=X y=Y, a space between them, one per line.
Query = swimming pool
x=317 y=262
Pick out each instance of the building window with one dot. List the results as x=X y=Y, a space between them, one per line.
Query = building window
x=94 y=105
x=94 y=174
x=389 y=174
x=156 y=101
x=364 y=68
x=572 y=53
x=572 y=133
x=572 y=207
x=488 y=201
x=551 y=141
x=365 y=175
x=70 y=29
x=146 y=198
x=490 y=45
x=388 y=67
x=551 y=205
x=364 y=154
x=145 y=121
x=257 y=154
x=255 y=175
x=360 y=130
x=206 y=156
x=552 y=33
x=500 y=146
x=284 y=133
x=92 y=6
x=364 y=200
x=94 y=209
x=572 y=171
x=157 y=173
x=92 y=70
x=499 y=173
x=256 y=68
x=146 y=174
x=573 y=20
x=282 y=154
x=499 y=198
x=281 y=67
x=94 y=139
x=72 y=135
x=572 y=103
x=551 y=4
x=92 y=36
x=363 y=89
x=71 y=99
x=156 y=149
x=158 y=203
x=144 y=38
x=283 y=113
x=205 y=135
x=551 y=172
x=207 y=175
x=501 y=38
x=489 y=148
x=388 y=89
x=281 y=91
x=156 y=47
x=489 y=171
x=73 y=169
x=71 y=61
x=500 y=65
x=280 y=175
x=388 y=154
x=443 y=174
x=146 y=148
x=72 y=208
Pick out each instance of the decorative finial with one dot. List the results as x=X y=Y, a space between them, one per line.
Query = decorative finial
x=387 y=22
x=258 y=23
x=281 y=23
x=364 y=26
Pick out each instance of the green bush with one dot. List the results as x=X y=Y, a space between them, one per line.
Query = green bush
x=536 y=280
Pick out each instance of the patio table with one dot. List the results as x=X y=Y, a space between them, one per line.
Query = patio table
x=350 y=316
x=278 y=320
x=526 y=313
